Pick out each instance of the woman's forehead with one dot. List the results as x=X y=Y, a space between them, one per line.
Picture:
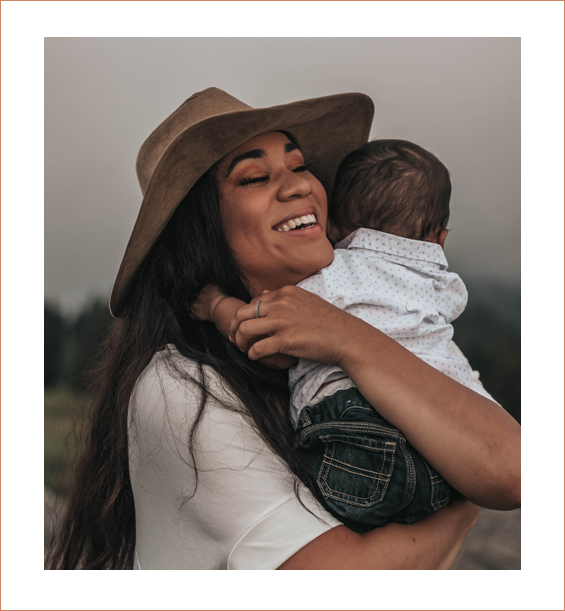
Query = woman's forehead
x=258 y=147
x=262 y=141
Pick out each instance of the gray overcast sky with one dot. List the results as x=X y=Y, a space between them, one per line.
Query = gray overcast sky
x=457 y=97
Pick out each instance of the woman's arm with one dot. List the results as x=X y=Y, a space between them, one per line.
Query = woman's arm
x=470 y=440
x=432 y=543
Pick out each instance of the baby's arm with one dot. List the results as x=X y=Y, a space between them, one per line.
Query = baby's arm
x=213 y=305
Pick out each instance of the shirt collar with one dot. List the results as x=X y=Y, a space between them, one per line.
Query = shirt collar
x=370 y=239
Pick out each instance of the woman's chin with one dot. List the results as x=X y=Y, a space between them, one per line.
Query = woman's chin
x=322 y=256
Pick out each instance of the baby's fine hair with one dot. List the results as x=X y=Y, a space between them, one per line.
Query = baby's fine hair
x=393 y=186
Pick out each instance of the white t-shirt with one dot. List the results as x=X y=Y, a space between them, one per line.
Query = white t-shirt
x=244 y=513
x=399 y=286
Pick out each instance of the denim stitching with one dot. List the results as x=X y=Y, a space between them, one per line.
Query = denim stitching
x=331 y=437
x=350 y=496
x=436 y=480
x=331 y=463
x=344 y=494
x=346 y=498
x=305 y=418
x=332 y=460
x=410 y=479
x=367 y=409
x=370 y=500
x=362 y=427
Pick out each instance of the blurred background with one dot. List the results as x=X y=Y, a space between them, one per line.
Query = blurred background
x=457 y=97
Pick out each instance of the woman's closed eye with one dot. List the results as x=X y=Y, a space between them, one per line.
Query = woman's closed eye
x=251 y=180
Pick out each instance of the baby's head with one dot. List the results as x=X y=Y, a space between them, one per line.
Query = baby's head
x=392 y=186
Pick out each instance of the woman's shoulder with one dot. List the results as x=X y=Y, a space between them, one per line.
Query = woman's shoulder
x=165 y=363
x=233 y=463
x=172 y=378
x=166 y=404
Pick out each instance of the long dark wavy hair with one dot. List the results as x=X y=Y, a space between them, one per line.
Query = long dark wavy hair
x=98 y=530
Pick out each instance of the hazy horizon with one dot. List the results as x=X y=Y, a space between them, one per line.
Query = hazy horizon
x=457 y=97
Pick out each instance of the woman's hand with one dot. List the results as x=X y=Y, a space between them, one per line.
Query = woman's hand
x=295 y=322
x=213 y=305
x=466 y=513
x=279 y=361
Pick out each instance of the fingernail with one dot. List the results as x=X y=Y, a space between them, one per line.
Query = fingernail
x=230 y=338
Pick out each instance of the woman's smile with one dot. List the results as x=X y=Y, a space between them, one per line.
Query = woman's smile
x=300 y=223
x=268 y=196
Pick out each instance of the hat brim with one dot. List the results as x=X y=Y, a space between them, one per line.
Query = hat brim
x=326 y=128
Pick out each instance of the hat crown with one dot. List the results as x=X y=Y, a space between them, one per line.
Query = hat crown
x=203 y=130
x=198 y=107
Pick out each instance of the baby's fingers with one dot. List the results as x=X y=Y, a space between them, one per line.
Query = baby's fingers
x=205 y=303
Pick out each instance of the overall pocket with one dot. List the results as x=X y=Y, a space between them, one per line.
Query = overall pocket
x=355 y=469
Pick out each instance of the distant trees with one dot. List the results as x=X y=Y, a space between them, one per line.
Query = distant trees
x=72 y=342
x=488 y=332
x=55 y=334
x=88 y=330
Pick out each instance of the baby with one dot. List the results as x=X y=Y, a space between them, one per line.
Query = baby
x=389 y=212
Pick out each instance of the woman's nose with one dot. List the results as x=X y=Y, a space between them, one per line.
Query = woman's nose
x=293 y=185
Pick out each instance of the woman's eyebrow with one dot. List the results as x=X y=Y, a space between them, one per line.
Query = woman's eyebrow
x=258 y=154
x=291 y=146
x=255 y=154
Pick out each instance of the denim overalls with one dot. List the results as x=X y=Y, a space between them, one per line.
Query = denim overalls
x=366 y=471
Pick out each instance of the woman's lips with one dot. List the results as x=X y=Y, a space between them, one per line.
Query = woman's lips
x=307 y=232
x=296 y=222
x=297 y=214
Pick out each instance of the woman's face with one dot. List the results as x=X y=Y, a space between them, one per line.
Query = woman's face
x=274 y=212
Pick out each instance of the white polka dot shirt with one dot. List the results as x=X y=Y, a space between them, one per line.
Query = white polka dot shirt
x=401 y=287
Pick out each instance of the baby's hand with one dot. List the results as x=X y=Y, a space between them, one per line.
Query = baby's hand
x=203 y=308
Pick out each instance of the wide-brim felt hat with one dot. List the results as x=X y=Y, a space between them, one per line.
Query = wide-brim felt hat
x=211 y=124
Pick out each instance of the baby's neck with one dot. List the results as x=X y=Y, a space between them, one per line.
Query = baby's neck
x=341 y=233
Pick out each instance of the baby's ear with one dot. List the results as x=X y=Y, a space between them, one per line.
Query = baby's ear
x=333 y=232
x=441 y=237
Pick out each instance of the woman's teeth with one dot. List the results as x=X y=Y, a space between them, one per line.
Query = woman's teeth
x=307 y=220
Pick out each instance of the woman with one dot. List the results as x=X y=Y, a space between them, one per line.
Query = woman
x=214 y=476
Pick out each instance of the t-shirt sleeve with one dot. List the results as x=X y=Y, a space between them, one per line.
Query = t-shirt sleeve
x=243 y=513
x=280 y=533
